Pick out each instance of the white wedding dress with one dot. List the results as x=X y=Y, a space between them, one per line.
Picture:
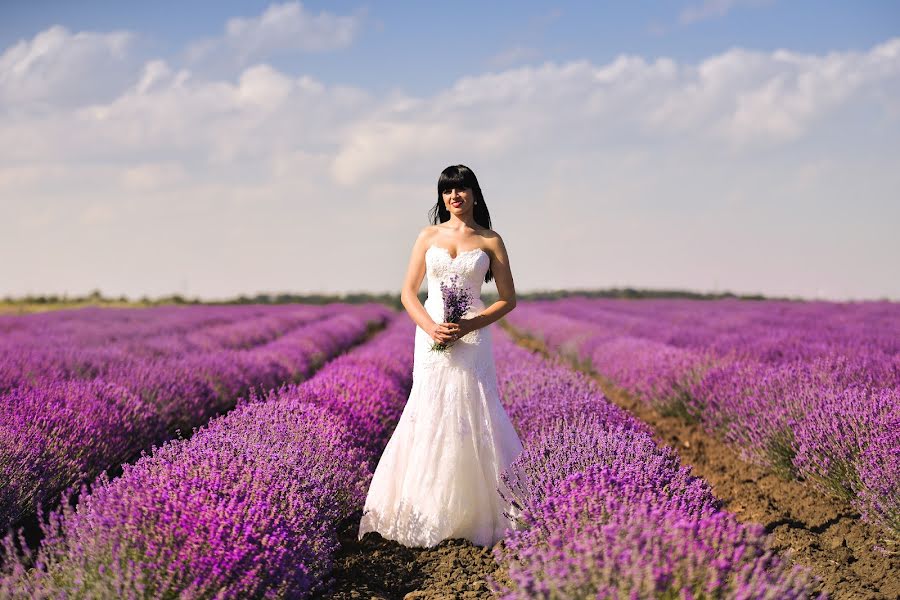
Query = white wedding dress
x=439 y=475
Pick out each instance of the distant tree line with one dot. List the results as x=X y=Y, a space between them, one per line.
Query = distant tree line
x=393 y=300
x=633 y=293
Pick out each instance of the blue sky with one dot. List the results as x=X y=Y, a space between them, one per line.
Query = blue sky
x=417 y=46
x=215 y=148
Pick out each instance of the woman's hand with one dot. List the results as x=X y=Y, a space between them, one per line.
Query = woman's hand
x=447 y=333
x=462 y=328
x=444 y=333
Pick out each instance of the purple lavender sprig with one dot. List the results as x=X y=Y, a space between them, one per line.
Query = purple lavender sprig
x=457 y=300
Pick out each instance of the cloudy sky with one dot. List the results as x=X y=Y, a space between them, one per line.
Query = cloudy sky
x=228 y=147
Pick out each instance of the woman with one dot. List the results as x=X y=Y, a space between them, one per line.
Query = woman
x=439 y=475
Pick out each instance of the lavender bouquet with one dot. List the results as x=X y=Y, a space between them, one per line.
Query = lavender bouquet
x=457 y=301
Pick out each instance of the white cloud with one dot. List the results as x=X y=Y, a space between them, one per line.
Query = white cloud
x=710 y=9
x=58 y=68
x=287 y=27
x=252 y=174
x=265 y=88
x=740 y=99
x=153 y=73
x=174 y=115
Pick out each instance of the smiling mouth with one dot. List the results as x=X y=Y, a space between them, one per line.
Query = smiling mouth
x=456 y=203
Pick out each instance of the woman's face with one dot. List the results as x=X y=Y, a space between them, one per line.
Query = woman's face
x=459 y=200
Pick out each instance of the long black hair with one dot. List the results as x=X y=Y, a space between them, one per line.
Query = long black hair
x=461 y=176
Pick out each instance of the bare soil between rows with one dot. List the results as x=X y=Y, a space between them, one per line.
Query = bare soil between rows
x=806 y=526
x=380 y=569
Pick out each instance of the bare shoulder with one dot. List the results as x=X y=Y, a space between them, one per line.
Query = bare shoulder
x=493 y=242
x=426 y=234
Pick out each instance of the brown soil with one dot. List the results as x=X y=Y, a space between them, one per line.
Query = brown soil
x=380 y=569
x=806 y=526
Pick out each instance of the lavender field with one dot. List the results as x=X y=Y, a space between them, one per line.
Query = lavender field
x=289 y=413
x=809 y=389
x=83 y=391
x=806 y=391
x=246 y=507
x=608 y=513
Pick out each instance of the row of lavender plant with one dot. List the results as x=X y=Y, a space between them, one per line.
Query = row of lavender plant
x=54 y=433
x=80 y=344
x=606 y=513
x=248 y=507
x=811 y=391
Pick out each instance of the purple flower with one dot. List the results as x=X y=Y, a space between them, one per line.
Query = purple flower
x=82 y=391
x=457 y=300
x=806 y=389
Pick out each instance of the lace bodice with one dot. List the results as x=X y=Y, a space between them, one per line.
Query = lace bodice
x=470 y=265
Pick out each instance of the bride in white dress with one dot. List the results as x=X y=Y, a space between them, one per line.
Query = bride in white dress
x=439 y=474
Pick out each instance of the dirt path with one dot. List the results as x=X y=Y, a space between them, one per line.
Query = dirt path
x=379 y=569
x=814 y=530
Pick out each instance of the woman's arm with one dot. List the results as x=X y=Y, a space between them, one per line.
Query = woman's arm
x=506 y=290
x=409 y=294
